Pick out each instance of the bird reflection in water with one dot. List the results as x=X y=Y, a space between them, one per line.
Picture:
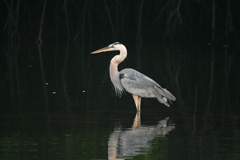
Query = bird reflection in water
x=136 y=140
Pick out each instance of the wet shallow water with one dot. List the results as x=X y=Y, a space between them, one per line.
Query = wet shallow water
x=119 y=134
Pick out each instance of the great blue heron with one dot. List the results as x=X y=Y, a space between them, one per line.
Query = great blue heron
x=132 y=81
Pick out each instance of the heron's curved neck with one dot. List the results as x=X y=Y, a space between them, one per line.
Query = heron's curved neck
x=116 y=60
x=114 y=73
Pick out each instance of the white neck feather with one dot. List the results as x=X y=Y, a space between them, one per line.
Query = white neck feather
x=114 y=73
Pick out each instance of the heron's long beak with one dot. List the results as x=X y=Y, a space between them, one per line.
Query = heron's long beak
x=105 y=49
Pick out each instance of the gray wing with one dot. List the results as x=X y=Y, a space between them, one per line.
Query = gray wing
x=139 y=84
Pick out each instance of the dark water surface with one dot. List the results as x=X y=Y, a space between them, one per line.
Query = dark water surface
x=120 y=134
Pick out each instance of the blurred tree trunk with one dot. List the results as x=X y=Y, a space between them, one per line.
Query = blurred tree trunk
x=41 y=61
x=212 y=62
x=57 y=51
x=139 y=40
x=83 y=58
x=66 y=57
x=227 y=58
x=83 y=44
x=13 y=50
x=212 y=69
x=195 y=109
x=110 y=19
x=115 y=19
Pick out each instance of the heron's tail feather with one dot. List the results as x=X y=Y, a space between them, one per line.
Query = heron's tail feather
x=164 y=96
x=163 y=100
x=165 y=93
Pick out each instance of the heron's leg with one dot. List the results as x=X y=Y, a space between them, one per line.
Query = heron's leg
x=137 y=120
x=137 y=101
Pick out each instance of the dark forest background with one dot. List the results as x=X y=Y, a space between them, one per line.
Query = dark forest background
x=191 y=47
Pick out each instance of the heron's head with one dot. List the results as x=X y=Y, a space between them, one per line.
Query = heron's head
x=112 y=47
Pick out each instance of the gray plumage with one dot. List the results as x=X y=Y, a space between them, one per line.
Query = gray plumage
x=141 y=85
